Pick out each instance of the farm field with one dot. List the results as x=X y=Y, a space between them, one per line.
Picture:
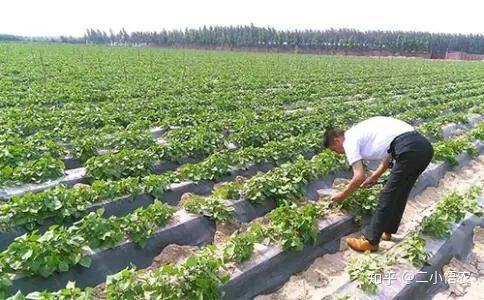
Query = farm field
x=110 y=156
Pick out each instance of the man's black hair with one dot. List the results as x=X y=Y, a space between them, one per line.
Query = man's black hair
x=330 y=134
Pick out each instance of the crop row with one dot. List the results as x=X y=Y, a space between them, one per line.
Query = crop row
x=198 y=144
x=183 y=111
x=290 y=226
x=125 y=163
x=109 y=231
x=97 y=75
x=35 y=208
x=449 y=210
x=284 y=184
x=197 y=172
x=31 y=209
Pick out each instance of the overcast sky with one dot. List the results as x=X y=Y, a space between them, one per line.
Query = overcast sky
x=72 y=17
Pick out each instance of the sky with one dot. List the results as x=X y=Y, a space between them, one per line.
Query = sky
x=72 y=17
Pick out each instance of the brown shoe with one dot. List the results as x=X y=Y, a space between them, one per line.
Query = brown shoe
x=361 y=244
x=386 y=236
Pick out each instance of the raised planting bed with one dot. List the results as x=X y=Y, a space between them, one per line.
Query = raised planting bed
x=185 y=229
x=128 y=252
x=123 y=205
x=117 y=207
x=475 y=119
x=246 y=211
x=78 y=175
x=324 y=244
x=271 y=266
x=458 y=244
x=71 y=178
x=164 y=166
x=417 y=283
x=72 y=162
x=435 y=171
x=453 y=129
x=75 y=173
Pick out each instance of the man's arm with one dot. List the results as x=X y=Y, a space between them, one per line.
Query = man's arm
x=354 y=184
x=385 y=162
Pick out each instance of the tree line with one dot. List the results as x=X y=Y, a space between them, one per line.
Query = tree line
x=270 y=38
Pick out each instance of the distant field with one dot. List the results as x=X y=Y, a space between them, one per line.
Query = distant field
x=135 y=121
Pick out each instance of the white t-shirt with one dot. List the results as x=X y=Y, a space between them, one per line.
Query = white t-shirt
x=371 y=139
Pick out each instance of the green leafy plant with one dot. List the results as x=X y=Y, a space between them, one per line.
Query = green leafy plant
x=293 y=226
x=434 y=127
x=197 y=278
x=55 y=250
x=284 y=184
x=437 y=225
x=361 y=203
x=31 y=159
x=59 y=247
x=208 y=206
x=197 y=141
x=470 y=202
x=215 y=166
x=453 y=206
x=449 y=150
x=32 y=171
x=229 y=190
x=451 y=209
x=239 y=247
x=32 y=209
x=70 y=292
x=365 y=269
x=5 y=284
x=125 y=285
x=15 y=149
x=122 y=164
x=156 y=185
x=141 y=224
x=413 y=249
x=100 y=232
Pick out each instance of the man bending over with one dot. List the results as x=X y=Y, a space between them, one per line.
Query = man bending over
x=387 y=140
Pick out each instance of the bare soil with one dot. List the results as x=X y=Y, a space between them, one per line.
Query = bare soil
x=223 y=232
x=471 y=284
x=172 y=254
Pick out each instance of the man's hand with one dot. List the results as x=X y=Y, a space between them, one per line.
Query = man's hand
x=369 y=181
x=338 y=197
x=354 y=184
x=373 y=177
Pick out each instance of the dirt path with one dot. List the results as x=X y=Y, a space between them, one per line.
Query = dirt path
x=466 y=278
x=327 y=272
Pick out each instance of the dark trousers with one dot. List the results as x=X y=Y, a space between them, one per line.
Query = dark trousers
x=412 y=153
